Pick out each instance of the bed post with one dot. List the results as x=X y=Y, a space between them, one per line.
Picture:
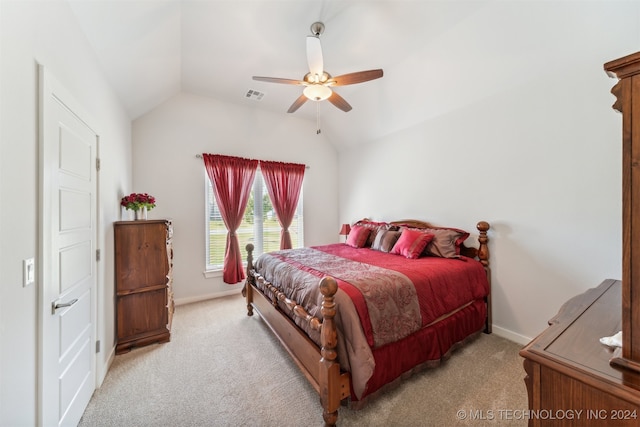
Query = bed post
x=247 y=291
x=329 y=375
x=483 y=256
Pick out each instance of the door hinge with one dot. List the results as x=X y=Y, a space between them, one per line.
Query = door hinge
x=98 y=346
x=97 y=164
x=97 y=254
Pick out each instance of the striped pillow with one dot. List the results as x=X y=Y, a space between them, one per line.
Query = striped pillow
x=385 y=239
x=374 y=226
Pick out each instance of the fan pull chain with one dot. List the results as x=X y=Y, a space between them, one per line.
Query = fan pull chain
x=318 y=118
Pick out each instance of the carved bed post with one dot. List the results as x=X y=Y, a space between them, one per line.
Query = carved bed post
x=483 y=256
x=247 y=291
x=329 y=378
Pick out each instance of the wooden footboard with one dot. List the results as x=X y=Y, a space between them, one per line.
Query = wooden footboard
x=319 y=364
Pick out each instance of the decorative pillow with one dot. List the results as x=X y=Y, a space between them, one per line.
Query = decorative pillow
x=446 y=242
x=385 y=239
x=411 y=243
x=358 y=236
x=374 y=227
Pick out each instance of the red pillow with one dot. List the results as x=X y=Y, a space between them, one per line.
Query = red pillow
x=358 y=236
x=411 y=243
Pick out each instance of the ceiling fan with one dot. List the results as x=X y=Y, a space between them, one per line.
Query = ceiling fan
x=318 y=83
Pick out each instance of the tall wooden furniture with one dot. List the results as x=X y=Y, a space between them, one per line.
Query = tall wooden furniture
x=143 y=274
x=572 y=379
x=627 y=92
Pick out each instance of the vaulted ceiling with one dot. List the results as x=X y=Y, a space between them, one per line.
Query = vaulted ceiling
x=434 y=53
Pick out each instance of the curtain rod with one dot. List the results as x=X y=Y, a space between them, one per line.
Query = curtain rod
x=199 y=156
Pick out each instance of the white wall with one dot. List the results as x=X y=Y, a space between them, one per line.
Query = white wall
x=46 y=32
x=165 y=143
x=539 y=156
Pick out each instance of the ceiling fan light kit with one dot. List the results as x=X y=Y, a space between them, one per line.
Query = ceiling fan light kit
x=318 y=83
x=317 y=92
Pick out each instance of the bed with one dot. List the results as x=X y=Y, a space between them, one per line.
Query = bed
x=359 y=317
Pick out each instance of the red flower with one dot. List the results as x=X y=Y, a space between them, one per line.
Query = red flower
x=135 y=201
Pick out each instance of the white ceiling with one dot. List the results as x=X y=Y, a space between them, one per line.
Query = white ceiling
x=434 y=53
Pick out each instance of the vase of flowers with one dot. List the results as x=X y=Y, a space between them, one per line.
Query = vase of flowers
x=139 y=203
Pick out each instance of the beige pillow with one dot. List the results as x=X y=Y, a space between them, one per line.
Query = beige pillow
x=446 y=242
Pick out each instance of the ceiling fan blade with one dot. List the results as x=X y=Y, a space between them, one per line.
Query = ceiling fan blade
x=353 y=78
x=278 y=80
x=314 y=56
x=339 y=102
x=297 y=103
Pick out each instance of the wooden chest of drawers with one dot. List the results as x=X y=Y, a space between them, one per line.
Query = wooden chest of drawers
x=143 y=275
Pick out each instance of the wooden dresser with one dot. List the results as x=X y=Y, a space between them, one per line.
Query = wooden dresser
x=573 y=379
x=143 y=275
x=569 y=379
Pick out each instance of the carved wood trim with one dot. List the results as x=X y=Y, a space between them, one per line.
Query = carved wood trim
x=617 y=90
x=247 y=291
x=624 y=67
x=329 y=368
x=483 y=256
x=532 y=382
x=275 y=295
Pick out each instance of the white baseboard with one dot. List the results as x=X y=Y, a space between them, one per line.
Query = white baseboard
x=189 y=300
x=510 y=335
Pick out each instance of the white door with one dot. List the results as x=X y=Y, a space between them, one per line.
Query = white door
x=67 y=279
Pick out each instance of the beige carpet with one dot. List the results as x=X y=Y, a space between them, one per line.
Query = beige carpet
x=223 y=368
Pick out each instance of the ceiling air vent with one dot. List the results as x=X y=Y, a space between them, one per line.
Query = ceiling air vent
x=254 y=94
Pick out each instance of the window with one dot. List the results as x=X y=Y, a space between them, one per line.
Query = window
x=259 y=226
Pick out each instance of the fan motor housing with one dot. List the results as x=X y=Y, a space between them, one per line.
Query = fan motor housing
x=317 y=28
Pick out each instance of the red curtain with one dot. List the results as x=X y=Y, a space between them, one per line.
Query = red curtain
x=284 y=181
x=231 y=179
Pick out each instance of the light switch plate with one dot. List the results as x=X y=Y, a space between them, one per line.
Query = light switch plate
x=29 y=271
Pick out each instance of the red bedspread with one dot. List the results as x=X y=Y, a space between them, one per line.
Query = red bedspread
x=392 y=306
x=441 y=284
x=397 y=300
